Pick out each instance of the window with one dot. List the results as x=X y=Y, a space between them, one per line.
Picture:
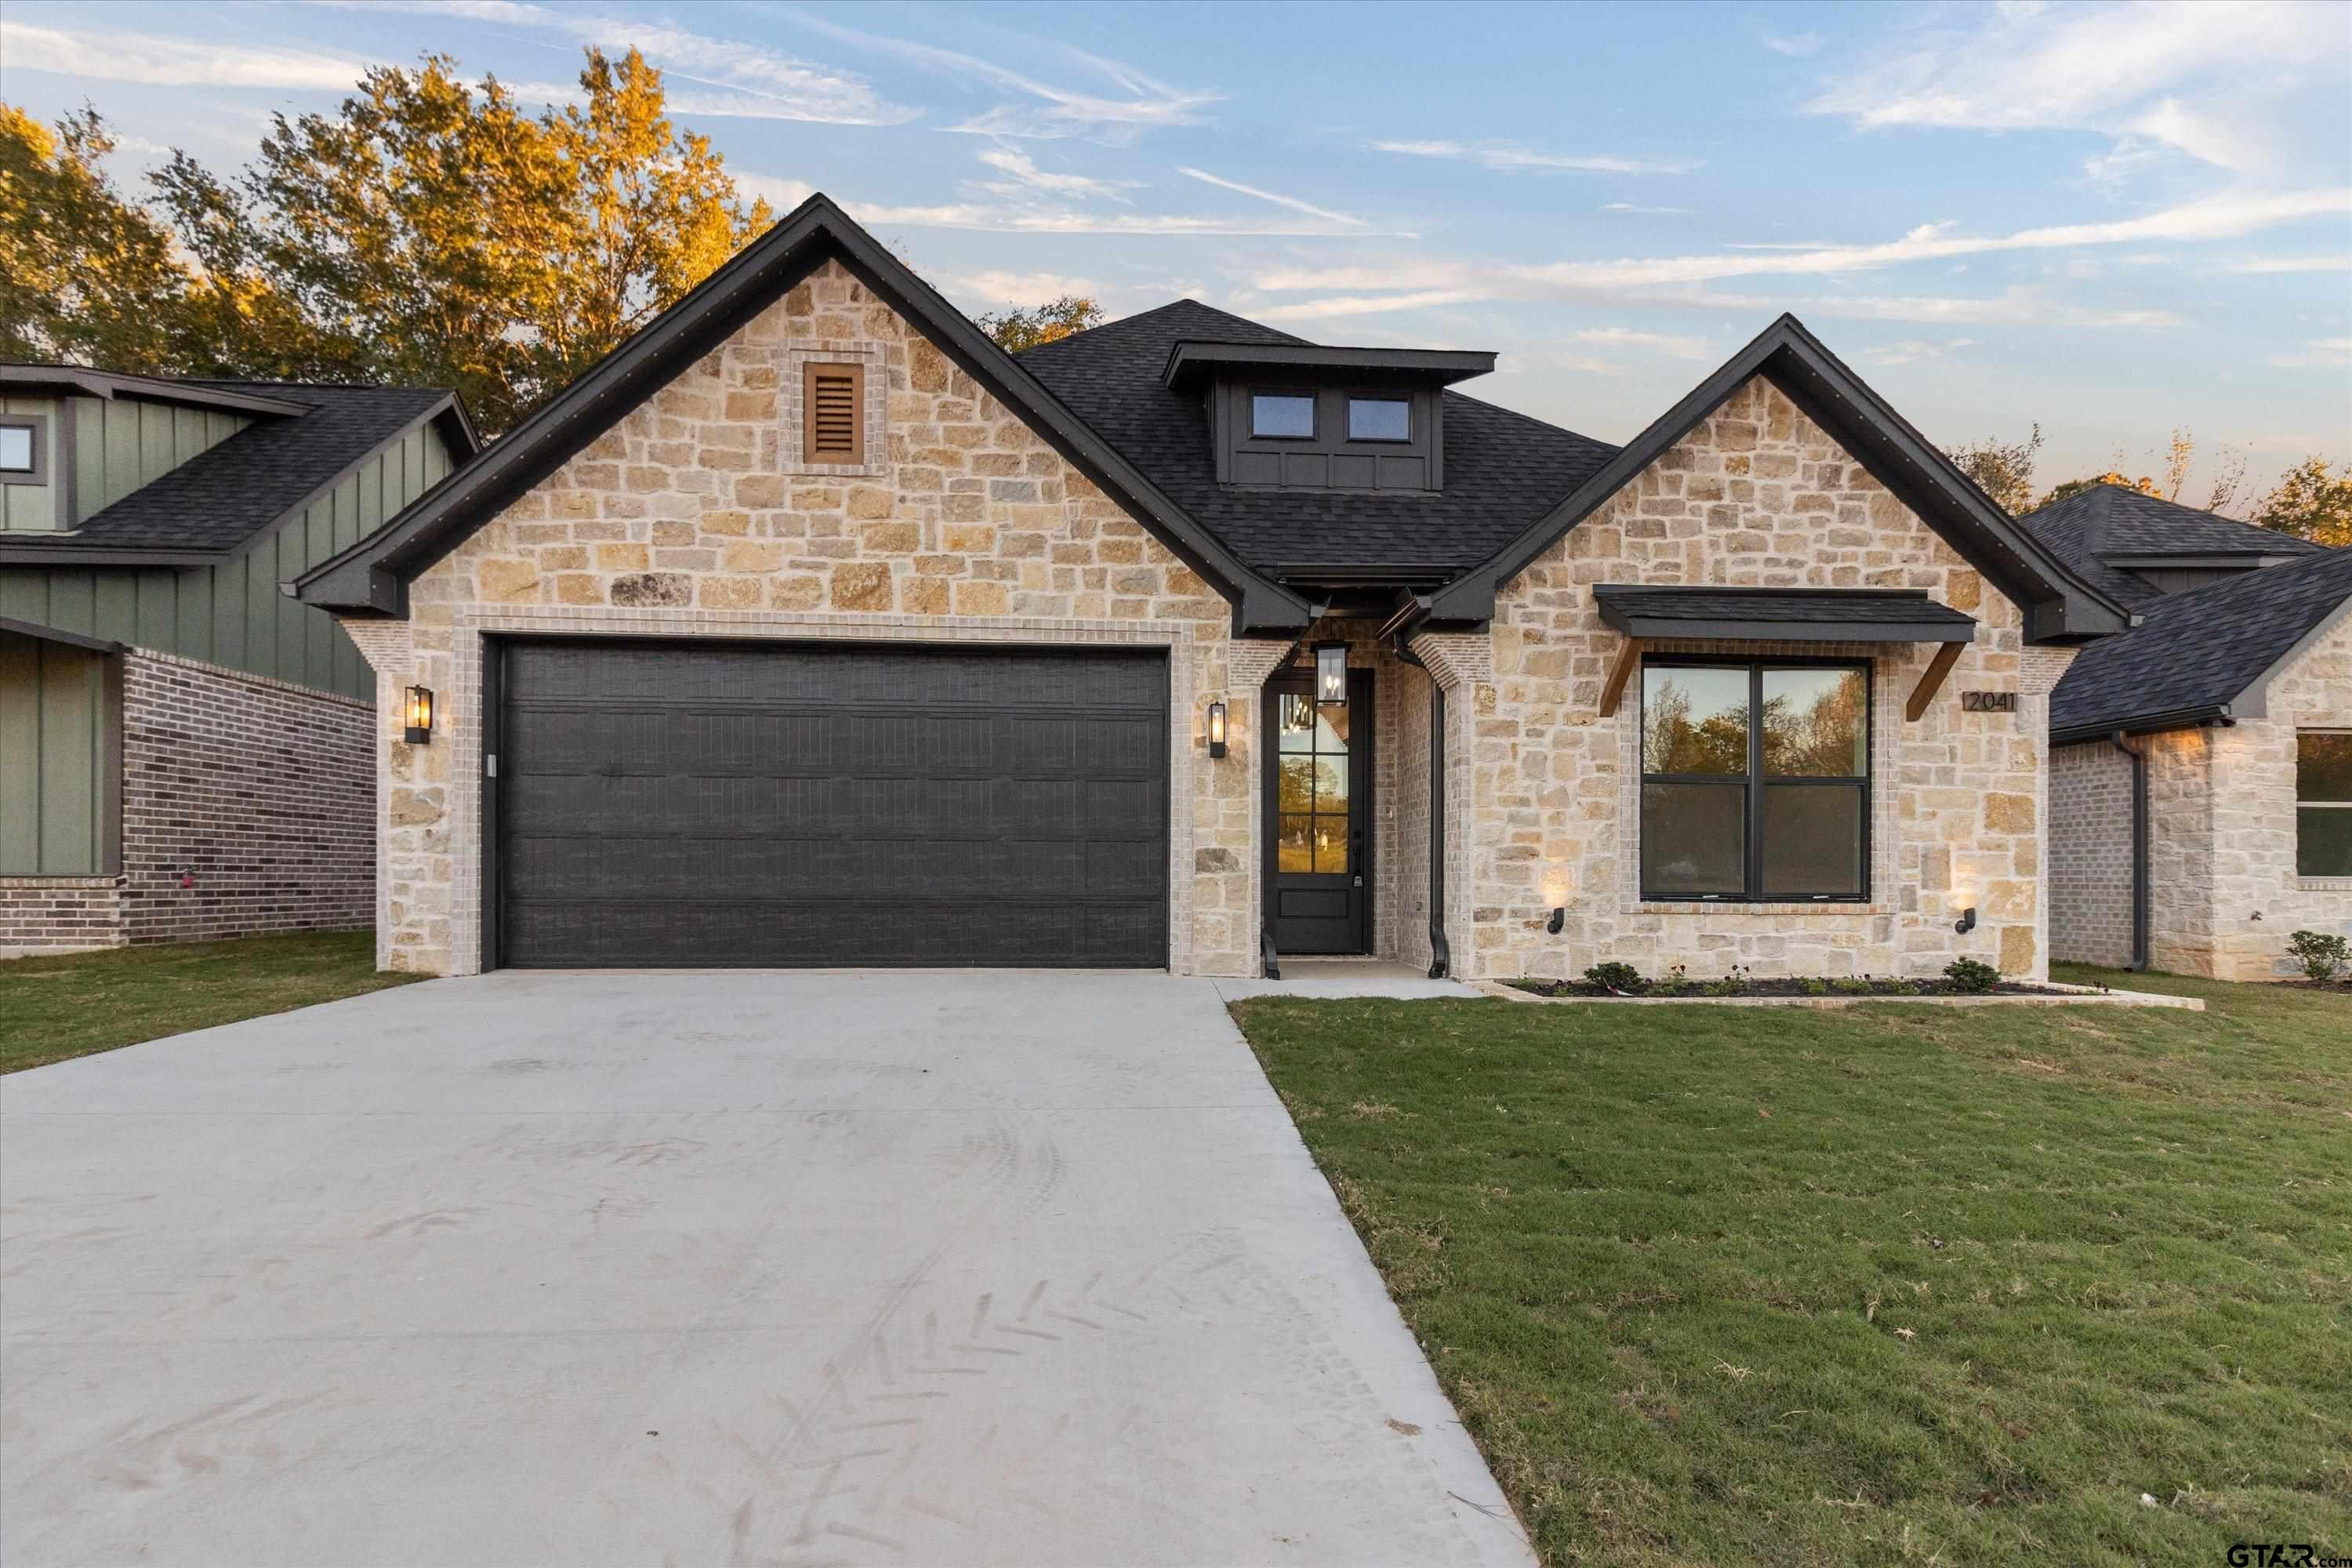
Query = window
x=1312 y=832
x=833 y=413
x=1282 y=416
x=2323 y=803
x=21 y=439
x=1755 y=780
x=1379 y=419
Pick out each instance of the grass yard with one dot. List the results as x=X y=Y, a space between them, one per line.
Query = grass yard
x=1887 y=1284
x=54 y=1008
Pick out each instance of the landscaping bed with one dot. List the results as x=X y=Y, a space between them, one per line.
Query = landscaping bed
x=1711 y=990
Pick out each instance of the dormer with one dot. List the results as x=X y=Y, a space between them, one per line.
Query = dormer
x=1303 y=416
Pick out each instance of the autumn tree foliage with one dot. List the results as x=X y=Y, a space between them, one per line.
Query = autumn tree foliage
x=1017 y=329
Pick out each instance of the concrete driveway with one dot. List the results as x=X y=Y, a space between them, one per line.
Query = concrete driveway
x=703 y=1268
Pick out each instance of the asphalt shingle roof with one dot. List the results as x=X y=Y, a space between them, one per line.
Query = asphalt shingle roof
x=1857 y=610
x=225 y=494
x=2109 y=520
x=1503 y=470
x=2201 y=648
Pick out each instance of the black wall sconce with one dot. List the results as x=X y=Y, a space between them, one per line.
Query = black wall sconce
x=1217 y=728
x=419 y=709
x=1967 y=921
x=1330 y=672
x=1559 y=919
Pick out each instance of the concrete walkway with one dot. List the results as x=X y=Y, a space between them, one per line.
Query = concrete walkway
x=705 y=1268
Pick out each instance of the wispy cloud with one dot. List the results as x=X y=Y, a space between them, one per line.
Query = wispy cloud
x=1001 y=287
x=2341 y=262
x=1042 y=110
x=1638 y=208
x=1665 y=343
x=155 y=62
x=1025 y=175
x=2318 y=353
x=1794 y=44
x=2212 y=81
x=1346 y=220
x=1510 y=158
x=1907 y=350
x=1362 y=305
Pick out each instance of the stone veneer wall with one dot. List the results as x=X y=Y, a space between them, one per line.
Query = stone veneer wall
x=2090 y=854
x=1756 y=495
x=246 y=803
x=693 y=516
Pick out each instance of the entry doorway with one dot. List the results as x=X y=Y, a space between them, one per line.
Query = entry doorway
x=1319 y=814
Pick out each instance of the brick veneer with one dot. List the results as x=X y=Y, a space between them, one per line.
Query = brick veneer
x=2090 y=854
x=684 y=519
x=60 y=914
x=1756 y=495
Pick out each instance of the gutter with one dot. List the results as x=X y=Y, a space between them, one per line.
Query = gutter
x=2139 y=756
x=2202 y=714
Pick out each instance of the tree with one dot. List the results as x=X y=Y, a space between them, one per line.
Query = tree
x=2004 y=473
x=2311 y=503
x=1017 y=329
x=2143 y=484
x=85 y=277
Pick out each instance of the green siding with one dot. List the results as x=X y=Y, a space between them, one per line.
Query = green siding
x=232 y=613
x=122 y=442
x=54 y=791
x=32 y=507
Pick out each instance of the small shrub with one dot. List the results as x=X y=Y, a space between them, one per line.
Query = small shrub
x=1970 y=977
x=1852 y=985
x=1615 y=976
x=2320 y=954
x=1815 y=988
x=1731 y=984
x=1911 y=987
x=1673 y=982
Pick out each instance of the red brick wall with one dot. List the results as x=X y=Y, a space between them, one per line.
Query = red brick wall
x=59 y=914
x=248 y=804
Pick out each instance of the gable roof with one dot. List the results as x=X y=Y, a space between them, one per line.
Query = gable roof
x=1502 y=470
x=373 y=574
x=266 y=472
x=2091 y=527
x=2058 y=605
x=2203 y=654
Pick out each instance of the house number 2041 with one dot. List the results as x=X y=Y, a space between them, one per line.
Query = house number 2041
x=1987 y=702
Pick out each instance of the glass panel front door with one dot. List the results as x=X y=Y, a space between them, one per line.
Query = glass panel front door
x=1318 y=891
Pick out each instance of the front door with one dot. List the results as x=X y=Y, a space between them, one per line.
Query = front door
x=1317 y=803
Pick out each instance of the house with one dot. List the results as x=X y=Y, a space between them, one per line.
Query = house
x=2201 y=765
x=185 y=751
x=811 y=627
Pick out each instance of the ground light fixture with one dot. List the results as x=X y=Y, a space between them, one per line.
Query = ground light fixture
x=1330 y=672
x=1967 y=921
x=1217 y=728
x=419 y=710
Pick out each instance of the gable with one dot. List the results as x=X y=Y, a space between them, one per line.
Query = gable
x=374 y=578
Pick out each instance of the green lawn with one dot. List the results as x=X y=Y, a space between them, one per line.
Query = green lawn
x=1894 y=1283
x=54 y=1008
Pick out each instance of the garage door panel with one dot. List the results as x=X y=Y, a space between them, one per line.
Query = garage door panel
x=690 y=805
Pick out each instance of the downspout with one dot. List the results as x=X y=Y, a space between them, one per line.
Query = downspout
x=1441 y=956
x=2139 y=756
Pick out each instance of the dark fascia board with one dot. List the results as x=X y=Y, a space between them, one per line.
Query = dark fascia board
x=372 y=576
x=2059 y=605
x=2152 y=559
x=52 y=634
x=2149 y=723
x=457 y=428
x=74 y=380
x=1745 y=616
x=1189 y=360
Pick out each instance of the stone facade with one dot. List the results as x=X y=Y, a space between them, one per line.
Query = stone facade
x=246 y=808
x=684 y=519
x=2223 y=894
x=1756 y=495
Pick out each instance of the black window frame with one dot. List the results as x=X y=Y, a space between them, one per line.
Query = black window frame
x=1754 y=784
x=2302 y=733
x=1307 y=395
x=36 y=430
x=1347 y=401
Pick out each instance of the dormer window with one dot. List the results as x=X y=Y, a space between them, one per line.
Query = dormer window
x=1282 y=416
x=1379 y=419
x=22 y=436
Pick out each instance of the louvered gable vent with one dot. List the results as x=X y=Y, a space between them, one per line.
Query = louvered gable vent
x=834 y=424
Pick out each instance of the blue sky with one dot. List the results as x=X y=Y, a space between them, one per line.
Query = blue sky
x=2112 y=219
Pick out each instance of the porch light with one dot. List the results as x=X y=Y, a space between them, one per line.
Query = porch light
x=1967 y=921
x=419 y=709
x=1330 y=672
x=1217 y=728
x=1559 y=919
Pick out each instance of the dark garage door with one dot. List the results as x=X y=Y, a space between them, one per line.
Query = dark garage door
x=692 y=805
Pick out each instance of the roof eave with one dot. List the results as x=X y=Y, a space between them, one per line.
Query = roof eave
x=106 y=385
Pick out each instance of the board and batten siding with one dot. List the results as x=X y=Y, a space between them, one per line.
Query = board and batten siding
x=57 y=748
x=117 y=445
x=231 y=613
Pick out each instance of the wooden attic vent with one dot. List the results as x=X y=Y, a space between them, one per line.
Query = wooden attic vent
x=832 y=400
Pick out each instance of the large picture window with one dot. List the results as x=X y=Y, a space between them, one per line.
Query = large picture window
x=2323 y=803
x=1755 y=780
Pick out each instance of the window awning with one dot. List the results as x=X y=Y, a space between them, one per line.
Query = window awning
x=1782 y=615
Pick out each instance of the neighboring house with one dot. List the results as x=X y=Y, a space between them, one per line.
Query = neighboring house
x=811 y=627
x=2202 y=774
x=187 y=751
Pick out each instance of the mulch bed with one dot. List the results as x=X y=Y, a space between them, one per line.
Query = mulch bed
x=2337 y=987
x=1700 y=990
